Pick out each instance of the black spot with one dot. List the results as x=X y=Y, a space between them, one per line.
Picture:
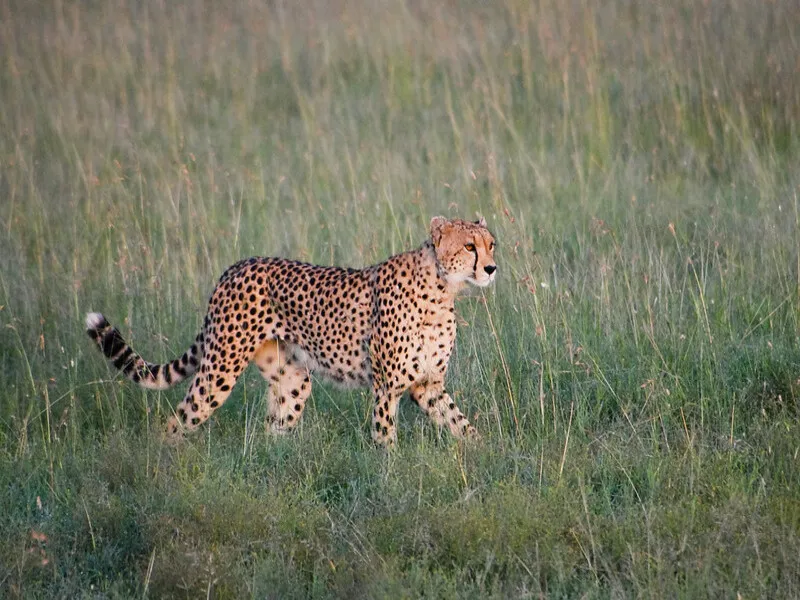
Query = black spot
x=154 y=370
x=122 y=362
x=113 y=343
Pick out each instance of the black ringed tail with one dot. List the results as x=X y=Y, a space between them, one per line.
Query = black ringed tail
x=133 y=366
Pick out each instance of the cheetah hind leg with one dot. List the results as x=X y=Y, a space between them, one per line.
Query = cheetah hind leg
x=289 y=386
x=208 y=391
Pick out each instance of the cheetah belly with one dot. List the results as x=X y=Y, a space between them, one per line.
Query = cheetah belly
x=302 y=358
x=325 y=323
x=343 y=377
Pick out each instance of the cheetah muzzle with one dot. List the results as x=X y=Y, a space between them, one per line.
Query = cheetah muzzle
x=390 y=326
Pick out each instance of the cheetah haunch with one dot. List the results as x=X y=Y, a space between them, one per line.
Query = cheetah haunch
x=391 y=326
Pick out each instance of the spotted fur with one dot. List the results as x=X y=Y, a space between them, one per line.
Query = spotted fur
x=390 y=326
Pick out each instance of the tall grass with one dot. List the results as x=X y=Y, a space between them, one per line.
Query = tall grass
x=634 y=372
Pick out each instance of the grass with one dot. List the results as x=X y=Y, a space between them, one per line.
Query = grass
x=635 y=371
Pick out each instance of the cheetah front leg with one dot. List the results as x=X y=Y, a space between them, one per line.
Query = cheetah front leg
x=384 y=415
x=439 y=406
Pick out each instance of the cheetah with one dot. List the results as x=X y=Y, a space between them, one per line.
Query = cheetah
x=390 y=326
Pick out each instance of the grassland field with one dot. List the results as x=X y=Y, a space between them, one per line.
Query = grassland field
x=635 y=371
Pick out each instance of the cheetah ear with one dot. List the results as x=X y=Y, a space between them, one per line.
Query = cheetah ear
x=481 y=221
x=437 y=229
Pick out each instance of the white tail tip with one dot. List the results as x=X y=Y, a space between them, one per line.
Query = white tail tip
x=94 y=320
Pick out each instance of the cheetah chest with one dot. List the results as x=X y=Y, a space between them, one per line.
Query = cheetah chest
x=437 y=337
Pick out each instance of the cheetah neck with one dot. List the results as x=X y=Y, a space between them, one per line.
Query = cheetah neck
x=449 y=289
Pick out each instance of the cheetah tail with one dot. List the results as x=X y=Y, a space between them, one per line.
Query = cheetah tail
x=133 y=366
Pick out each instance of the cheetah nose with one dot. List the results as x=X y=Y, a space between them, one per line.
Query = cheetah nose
x=490 y=269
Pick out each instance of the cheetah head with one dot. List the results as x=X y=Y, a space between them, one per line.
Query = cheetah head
x=465 y=250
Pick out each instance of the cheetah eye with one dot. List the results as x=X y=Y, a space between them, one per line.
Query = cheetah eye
x=469 y=247
x=491 y=247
